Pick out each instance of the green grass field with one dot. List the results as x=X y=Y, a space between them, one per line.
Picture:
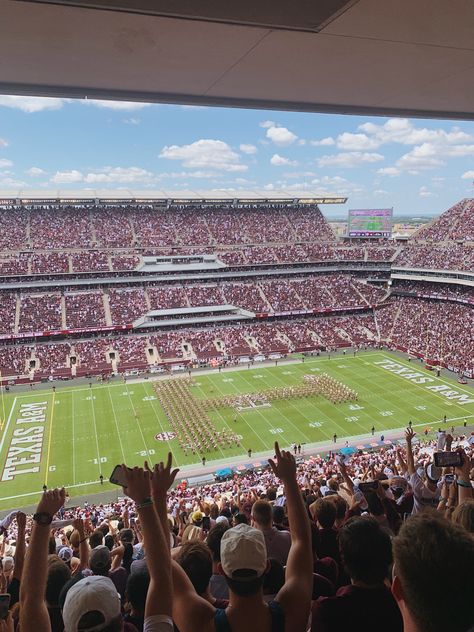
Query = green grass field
x=72 y=436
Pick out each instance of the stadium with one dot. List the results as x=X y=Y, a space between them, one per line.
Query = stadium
x=101 y=298
x=234 y=396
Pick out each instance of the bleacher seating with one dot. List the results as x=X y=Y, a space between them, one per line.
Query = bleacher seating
x=80 y=242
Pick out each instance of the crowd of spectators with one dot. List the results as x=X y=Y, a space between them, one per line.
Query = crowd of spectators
x=442 y=257
x=90 y=261
x=53 y=357
x=7 y=312
x=40 y=311
x=127 y=305
x=457 y=223
x=329 y=543
x=84 y=310
x=53 y=229
x=92 y=356
x=427 y=289
x=437 y=330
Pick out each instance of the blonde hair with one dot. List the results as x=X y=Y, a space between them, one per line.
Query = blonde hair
x=463 y=516
x=191 y=533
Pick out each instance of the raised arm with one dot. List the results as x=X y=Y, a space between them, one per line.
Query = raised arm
x=190 y=611
x=463 y=479
x=83 y=544
x=401 y=462
x=34 y=615
x=159 y=597
x=346 y=477
x=295 y=596
x=20 y=545
x=409 y=435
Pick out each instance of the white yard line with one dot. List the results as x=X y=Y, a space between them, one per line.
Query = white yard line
x=5 y=430
x=95 y=430
x=124 y=460
x=73 y=441
x=137 y=420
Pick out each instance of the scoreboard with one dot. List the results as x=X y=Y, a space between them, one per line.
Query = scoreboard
x=370 y=222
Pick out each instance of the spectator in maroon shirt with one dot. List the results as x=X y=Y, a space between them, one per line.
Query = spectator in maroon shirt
x=367 y=603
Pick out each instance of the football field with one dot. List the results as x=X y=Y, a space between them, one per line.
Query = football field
x=73 y=435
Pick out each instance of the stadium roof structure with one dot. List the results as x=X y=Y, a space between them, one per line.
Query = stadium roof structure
x=90 y=196
x=390 y=57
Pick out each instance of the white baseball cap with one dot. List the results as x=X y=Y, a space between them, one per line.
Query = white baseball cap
x=94 y=594
x=243 y=547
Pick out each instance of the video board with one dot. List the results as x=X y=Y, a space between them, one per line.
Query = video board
x=370 y=222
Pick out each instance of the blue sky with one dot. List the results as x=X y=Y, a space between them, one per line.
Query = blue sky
x=418 y=167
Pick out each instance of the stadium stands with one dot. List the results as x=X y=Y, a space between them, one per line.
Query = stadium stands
x=83 y=242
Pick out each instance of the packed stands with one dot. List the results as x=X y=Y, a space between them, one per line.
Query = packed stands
x=127 y=305
x=7 y=312
x=167 y=297
x=84 y=310
x=52 y=228
x=440 y=257
x=49 y=263
x=90 y=261
x=40 y=312
x=457 y=223
x=436 y=330
x=83 y=241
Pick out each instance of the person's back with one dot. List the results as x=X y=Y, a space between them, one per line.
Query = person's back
x=367 y=603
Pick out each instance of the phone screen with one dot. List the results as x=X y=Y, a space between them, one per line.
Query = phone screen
x=4 y=603
x=447 y=459
x=118 y=477
x=206 y=523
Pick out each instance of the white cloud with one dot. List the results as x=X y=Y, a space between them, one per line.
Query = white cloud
x=247 y=148
x=31 y=104
x=468 y=175
x=389 y=171
x=324 y=142
x=420 y=157
x=299 y=174
x=35 y=172
x=350 y=159
x=403 y=131
x=281 y=136
x=205 y=154
x=4 y=162
x=127 y=106
x=280 y=161
x=267 y=124
x=6 y=182
x=3 y=142
x=187 y=174
x=356 y=142
x=380 y=192
x=332 y=180
x=67 y=177
x=120 y=175
x=425 y=192
x=131 y=121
